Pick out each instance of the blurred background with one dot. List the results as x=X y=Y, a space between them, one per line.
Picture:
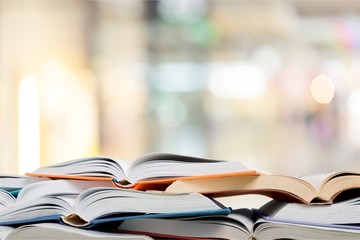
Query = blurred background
x=274 y=84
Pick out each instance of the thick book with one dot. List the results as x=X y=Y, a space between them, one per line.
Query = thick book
x=240 y=224
x=104 y=205
x=343 y=214
x=54 y=231
x=153 y=171
x=14 y=182
x=322 y=188
x=36 y=190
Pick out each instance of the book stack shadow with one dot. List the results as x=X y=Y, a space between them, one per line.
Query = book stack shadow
x=171 y=196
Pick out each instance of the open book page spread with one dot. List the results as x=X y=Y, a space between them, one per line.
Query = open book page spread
x=236 y=225
x=48 y=187
x=97 y=202
x=150 y=166
x=346 y=212
x=11 y=182
x=98 y=166
x=270 y=229
x=318 y=180
x=334 y=185
x=57 y=188
x=240 y=224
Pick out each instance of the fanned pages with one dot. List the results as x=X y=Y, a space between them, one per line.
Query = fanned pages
x=11 y=182
x=34 y=191
x=240 y=224
x=341 y=213
x=53 y=231
x=151 y=171
x=106 y=204
x=317 y=188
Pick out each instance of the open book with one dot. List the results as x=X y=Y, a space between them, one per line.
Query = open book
x=102 y=205
x=36 y=190
x=14 y=182
x=54 y=231
x=152 y=171
x=344 y=213
x=240 y=224
x=317 y=188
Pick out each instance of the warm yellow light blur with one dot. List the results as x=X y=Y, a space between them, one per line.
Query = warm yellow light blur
x=29 y=124
x=69 y=104
x=322 y=89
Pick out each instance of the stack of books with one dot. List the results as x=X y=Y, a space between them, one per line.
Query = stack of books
x=170 y=196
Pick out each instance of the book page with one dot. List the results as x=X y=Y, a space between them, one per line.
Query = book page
x=170 y=166
x=45 y=231
x=337 y=213
x=97 y=168
x=57 y=188
x=99 y=202
x=5 y=231
x=271 y=229
x=317 y=180
x=12 y=182
x=49 y=206
x=190 y=228
x=6 y=199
